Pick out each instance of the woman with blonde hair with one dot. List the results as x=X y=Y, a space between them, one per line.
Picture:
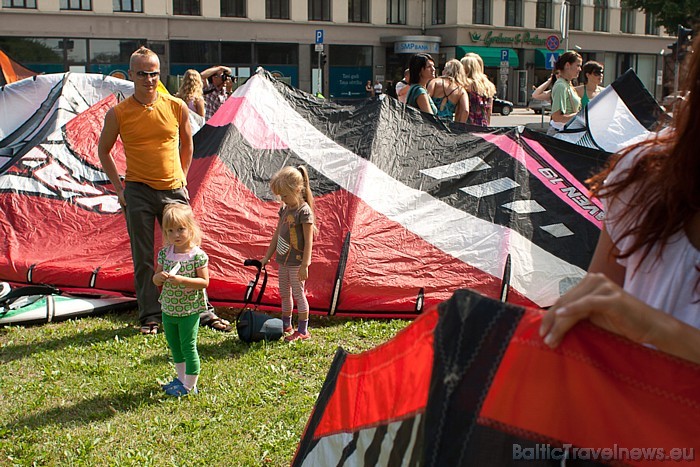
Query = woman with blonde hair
x=481 y=90
x=191 y=92
x=449 y=93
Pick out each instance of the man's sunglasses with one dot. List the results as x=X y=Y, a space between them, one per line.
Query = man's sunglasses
x=147 y=74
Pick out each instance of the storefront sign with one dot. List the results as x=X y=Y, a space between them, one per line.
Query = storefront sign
x=349 y=82
x=414 y=47
x=490 y=38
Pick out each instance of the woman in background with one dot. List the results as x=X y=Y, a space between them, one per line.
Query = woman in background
x=481 y=90
x=449 y=93
x=191 y=92
x=565 y=101
x=592 y=80
x=543 y=92
x=421 y=69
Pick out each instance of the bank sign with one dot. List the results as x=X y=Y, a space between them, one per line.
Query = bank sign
x=501 y=39
x=414 y=47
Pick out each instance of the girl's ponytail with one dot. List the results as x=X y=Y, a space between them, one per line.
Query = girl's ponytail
x=308 y=195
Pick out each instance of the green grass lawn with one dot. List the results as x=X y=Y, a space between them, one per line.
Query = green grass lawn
x=85 y=392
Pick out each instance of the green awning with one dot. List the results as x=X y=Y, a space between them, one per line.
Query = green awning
x=541 y=58
x=490 y=55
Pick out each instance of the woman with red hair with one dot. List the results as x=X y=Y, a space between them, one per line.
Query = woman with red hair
x=644 y=278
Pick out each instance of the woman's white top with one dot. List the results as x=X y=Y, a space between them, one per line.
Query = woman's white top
x=667 y=283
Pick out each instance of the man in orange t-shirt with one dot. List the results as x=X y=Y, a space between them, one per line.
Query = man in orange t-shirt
x=157 y=139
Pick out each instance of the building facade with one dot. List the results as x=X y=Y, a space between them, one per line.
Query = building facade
x=334 y=46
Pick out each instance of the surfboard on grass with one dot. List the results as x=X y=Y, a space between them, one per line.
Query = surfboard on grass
x=44 y=304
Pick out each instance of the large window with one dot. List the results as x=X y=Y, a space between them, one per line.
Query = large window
x=76 y=51
x=651 y=25
x=544 y=14
x=42 y=55
x=85 y=5
x=204 y=52
x=278 y=54
x=574 y=15
x=358 y=11
x=627 y=19
x=277 y=9
x=233 y=8
x=186 y=7
x=396 y=12
x=319 y=10
x=128 y=6
x=56 y=55
x=351 y=55
x=19 y=3
x=236 y=52
x=200 y=55
x=514 y=12
x=439 y=11
x=600 y=15
x=481 y=13
x=107 y=51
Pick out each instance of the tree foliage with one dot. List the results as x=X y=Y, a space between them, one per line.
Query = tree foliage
x=670 y=13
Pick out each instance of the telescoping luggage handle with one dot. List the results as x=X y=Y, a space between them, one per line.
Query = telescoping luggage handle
x=250 y=289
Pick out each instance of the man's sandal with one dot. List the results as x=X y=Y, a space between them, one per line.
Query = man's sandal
x=149 y=328
x=218 y=324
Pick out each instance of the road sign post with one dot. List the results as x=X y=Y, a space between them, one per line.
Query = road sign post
x=318 y=39
x=550 y=60
x=505 y=68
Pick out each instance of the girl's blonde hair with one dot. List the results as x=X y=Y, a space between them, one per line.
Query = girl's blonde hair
x=191 y=86
x=477 y=81
x=455 y=70
x=293 y=180
x=180 y=215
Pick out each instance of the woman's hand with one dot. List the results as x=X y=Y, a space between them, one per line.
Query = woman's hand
x=605 y=304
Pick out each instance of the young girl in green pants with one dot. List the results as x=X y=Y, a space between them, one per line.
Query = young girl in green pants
x=183 y=273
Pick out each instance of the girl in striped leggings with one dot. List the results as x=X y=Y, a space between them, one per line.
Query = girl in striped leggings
x=293 y=240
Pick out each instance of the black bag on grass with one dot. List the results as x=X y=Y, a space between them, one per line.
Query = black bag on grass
x=252 y=325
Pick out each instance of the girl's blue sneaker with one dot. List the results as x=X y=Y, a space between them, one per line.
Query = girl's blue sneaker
x=179 y=390
x=175 y=382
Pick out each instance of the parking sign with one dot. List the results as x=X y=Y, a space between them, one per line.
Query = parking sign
x=505 y=55
x=319 y=36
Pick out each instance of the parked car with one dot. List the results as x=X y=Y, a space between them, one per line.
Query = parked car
x=539 y=106
x=669 y=102
x=501 y=106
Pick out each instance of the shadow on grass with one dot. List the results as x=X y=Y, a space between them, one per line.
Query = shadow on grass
x=229 y=348
x=126 y=328
x=87 y=411
x=317 y=321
